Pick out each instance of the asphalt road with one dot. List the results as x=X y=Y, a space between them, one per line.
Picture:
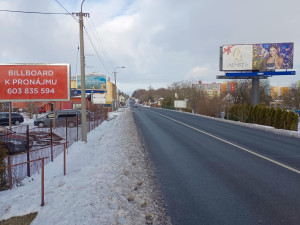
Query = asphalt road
x=213 y=172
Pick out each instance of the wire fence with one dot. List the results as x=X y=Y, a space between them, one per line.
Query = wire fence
x=29 y=145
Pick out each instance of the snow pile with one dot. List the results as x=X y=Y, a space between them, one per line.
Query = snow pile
x=109 y=181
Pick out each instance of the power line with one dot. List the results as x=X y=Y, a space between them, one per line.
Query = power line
x=31 y=12
x=66 y=10
x=101 y=44
x=96 y=51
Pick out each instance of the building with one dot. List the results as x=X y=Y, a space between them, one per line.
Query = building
x=210 y=89
x=284 y=91
x=110 y=92
x=278 y=91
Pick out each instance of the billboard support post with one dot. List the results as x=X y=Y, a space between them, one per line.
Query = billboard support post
x=255 y=91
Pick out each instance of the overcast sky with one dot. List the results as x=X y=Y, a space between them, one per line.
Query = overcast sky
x=158 y=41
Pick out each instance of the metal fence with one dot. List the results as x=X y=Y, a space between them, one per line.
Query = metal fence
x=25 y=145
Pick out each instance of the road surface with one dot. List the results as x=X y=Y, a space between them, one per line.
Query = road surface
x=213 y=172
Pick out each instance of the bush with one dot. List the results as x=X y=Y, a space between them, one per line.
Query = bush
x=295 y=121
x=260 y=114
x=250 y=114
x=3 y=179
x=277 y=117
x=283 y=119
x=289 y=119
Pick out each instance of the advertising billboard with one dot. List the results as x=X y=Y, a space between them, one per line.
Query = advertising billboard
x=180 y=104
x=34 y=82
x=99 y=99
x=93 y=82
x=257 y=57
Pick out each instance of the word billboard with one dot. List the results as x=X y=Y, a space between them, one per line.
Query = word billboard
x=257 y=57
x=35 y=82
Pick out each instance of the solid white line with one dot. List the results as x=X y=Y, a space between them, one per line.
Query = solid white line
x=237 y=146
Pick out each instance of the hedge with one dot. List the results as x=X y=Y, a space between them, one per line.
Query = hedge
x=260 y=114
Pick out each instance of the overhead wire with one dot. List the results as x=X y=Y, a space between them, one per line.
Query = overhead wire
x=98 y=39
x=107 y=70
x=100 y=43
x=32 y=12
x=94 y=47
x=68 y=13
x=66 y=10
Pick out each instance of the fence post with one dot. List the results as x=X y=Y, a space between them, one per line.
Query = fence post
x=67 y=131
x=28 y=153
x=51 y=140
x=94 y=120
x=90 y=124
x=42 y=174
x=77 y=126
x=9 y=171
x=64 y=159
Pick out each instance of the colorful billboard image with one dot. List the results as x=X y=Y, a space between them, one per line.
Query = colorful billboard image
x=93 y=82
x=257 y=57
x=35 y=82
x=273 y=56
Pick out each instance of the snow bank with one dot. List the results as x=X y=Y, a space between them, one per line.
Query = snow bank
x=109 y=181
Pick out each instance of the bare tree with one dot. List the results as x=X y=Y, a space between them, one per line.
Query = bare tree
x=293 y=99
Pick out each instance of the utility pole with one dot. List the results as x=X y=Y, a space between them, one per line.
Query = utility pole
x=82 y=63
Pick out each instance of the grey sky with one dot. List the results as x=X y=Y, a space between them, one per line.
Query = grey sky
x=158 y=41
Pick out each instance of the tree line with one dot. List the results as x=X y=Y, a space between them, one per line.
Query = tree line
x=199 y=102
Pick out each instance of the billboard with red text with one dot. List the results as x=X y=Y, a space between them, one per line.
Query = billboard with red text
x=34 y=82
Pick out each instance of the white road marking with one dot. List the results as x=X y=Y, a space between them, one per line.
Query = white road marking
x=237 y=146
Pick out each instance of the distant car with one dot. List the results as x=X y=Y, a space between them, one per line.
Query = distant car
x=13 y=142
x=16 y=118
x=42 y=110
x=73 y=117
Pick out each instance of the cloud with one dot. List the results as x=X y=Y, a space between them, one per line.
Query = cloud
x=158 y=41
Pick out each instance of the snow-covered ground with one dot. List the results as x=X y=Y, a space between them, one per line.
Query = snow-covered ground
x=109 y=181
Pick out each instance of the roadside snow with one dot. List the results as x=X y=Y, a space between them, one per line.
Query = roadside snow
x=109 y=181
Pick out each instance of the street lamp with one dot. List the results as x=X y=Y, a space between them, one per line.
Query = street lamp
x=116 y=94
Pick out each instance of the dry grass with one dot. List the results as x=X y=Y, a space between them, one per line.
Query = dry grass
x=17 y=220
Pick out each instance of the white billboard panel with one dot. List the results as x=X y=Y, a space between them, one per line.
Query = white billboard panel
x=180 y=104
x=237 y=57
x=99 y=99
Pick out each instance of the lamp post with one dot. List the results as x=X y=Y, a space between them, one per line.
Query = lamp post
x=116 y=93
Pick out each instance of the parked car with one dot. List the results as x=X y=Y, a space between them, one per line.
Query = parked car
x=13 y=142
x=42 y=110
x=16 y=118
x=73 y=117
x=89 y=114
